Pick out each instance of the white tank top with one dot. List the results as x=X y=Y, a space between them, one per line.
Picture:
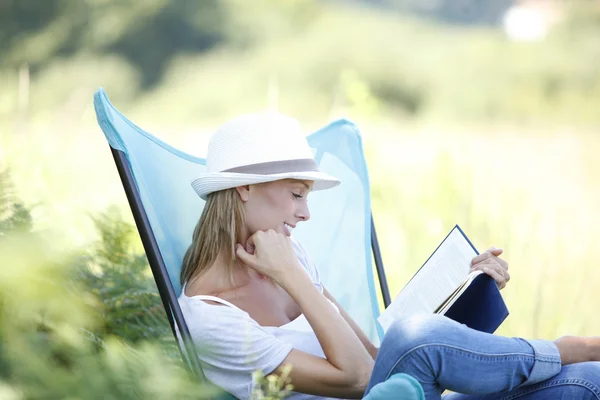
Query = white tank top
x=297 y=332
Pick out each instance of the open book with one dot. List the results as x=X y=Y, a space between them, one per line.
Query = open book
x=443 y=285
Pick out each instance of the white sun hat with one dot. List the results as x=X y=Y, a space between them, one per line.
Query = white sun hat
x=257 y=148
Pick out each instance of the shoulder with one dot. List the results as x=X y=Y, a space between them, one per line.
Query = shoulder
x=206 y=319
x=220 y=326
x=231 y=345
x=203 y=319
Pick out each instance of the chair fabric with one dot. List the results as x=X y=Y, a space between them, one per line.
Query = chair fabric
x=338 y=235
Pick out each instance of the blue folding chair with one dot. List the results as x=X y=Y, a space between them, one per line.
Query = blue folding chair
x=340 y=236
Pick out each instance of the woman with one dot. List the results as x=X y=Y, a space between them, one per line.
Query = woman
x=253 y=300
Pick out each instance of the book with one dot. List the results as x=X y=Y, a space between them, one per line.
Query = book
x=444 y=285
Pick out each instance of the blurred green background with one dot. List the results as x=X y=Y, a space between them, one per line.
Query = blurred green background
x=483 y=114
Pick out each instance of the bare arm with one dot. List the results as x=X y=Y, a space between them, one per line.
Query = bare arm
x=348 y=367
x=370 y=347
x=346 y=370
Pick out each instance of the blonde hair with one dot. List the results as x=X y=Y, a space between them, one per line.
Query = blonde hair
x=216 y=233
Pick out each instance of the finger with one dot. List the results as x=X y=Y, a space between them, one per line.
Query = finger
x=500 y=281
x=503 y=263
x=491 y=262
x=247 y=258
x=501 y=271
x=496 y=268
x=495 y=251
x=482 y=257
x=487 y=261
x=250 y=245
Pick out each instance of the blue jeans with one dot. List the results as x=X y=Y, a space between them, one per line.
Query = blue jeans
x=443 y=354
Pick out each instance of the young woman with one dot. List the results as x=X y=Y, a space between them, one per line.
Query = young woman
x=253 y=299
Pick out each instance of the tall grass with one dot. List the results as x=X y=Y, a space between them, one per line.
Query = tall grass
x=534 y=195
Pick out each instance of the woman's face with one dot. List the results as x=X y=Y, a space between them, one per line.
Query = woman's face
x=277 y=205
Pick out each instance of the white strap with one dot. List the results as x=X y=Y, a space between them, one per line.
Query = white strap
x=215 y=299
x=209 y=298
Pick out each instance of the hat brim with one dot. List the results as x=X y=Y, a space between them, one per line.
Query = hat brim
x=207 y=183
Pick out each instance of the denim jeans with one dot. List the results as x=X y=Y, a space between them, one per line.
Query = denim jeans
x=443 y=354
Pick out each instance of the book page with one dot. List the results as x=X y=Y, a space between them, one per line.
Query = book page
x=457 y=293
x=446 y=269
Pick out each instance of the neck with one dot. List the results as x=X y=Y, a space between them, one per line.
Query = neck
x=243 y=237
x=217 y=276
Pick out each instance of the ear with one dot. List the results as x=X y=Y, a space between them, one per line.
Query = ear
x=244 y=192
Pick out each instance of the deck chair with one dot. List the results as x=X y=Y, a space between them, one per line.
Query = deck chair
x=340 y=235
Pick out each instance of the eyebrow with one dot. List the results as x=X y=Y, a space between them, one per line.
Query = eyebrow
x=304 y=184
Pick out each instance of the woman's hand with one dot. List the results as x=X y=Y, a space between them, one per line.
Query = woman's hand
x=490 y=263
x=269 y=253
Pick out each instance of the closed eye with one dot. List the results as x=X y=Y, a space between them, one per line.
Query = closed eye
x=297 y=196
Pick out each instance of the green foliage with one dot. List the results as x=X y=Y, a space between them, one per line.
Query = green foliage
x=414 y=68
x=251 y=23
x=272 y=387
x=119 y=288
x=46 y=353
x=53 y=345
x=147 y=34
x=14 y=216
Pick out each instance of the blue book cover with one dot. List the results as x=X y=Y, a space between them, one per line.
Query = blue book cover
x=480 y=306
x=445 y=285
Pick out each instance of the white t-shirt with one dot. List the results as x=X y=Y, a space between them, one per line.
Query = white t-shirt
x=231 y=345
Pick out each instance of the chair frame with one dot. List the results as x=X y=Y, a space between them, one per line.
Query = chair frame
x=161 y=276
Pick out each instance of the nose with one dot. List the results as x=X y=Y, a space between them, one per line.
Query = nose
x=302 y=212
